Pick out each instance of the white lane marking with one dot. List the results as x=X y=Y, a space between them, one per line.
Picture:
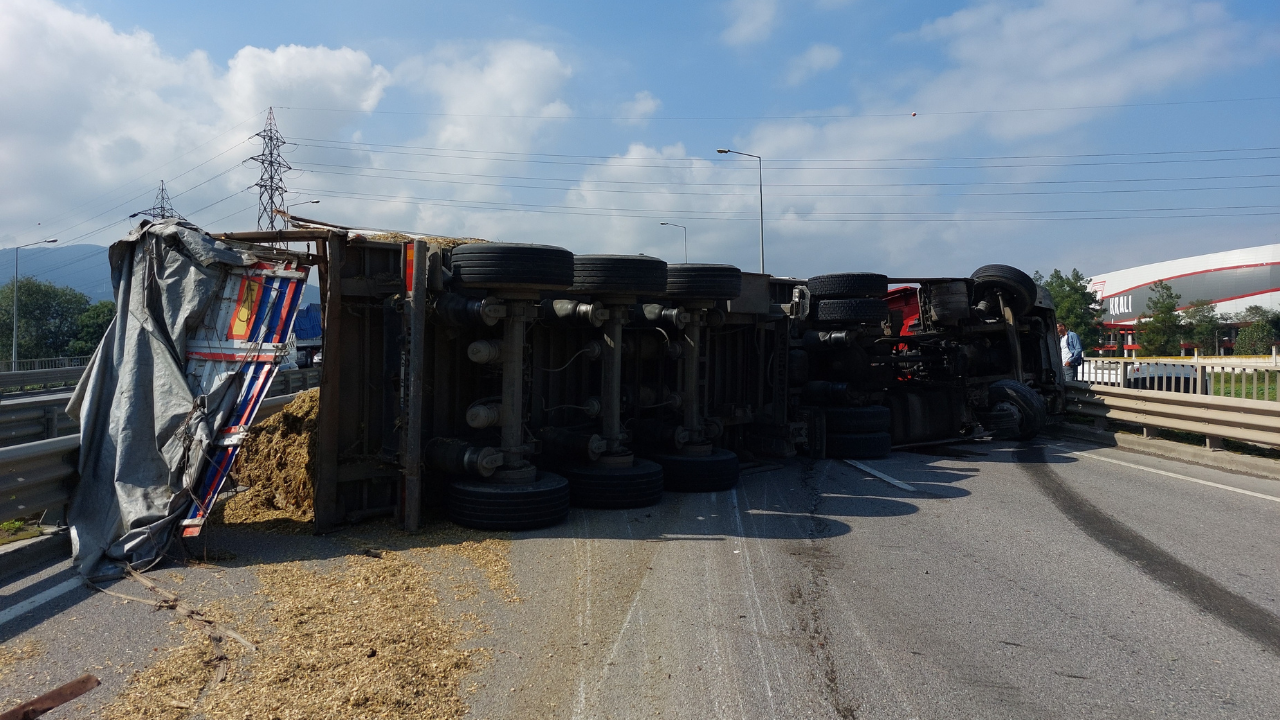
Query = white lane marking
x=759 y=625
x=626 y=622
x=34 y=602
x=1166 y=473
x=892 y=481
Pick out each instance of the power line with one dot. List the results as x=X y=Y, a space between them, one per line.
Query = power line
x=162 y=208
x=670 y=183
x=219 y=202
x=623 y=162
x=722 y=214
x=665 y=192
x=656 y=214
x=224 y=217
x=814 y=116
x=270 y=185
x=357 y=145
x=127 y=183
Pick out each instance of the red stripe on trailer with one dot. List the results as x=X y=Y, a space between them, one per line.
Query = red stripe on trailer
x=288 y=300
x=251 y=403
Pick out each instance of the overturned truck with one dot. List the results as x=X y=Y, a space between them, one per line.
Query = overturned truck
x=504 y=383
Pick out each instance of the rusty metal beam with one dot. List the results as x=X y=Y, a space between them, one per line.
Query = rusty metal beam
x=58 y=696
x=412 y=457
x=326 y=490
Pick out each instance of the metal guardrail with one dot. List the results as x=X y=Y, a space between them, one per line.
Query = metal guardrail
x=70 y=375
x=24 y=379
x=1246 y=420
x=8 y=366
x=37 y=476
x=41 y=417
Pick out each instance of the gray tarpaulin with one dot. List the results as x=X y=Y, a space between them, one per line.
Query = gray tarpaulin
x=144 y=428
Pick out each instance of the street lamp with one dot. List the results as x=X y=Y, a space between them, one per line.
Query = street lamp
x=760 y=175
x=13 y=359
x=686 y=238
x=286 y=209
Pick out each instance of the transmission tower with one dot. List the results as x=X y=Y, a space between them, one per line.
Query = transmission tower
x=161 y=209
x=270 y=186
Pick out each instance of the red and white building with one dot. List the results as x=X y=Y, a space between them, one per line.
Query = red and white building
x=1233 y=280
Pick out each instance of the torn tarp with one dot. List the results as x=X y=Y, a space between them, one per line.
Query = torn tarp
x=193 y=347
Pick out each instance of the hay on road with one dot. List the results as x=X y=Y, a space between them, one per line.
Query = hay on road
x=366 y=639
x=277 y=462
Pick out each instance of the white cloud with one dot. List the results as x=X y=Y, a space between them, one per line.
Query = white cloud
x=643 y=106
x=750 y=21
x=1054 y=53
x=820 y=57
x=88 y=110
x=502 y=97
x=1062 y=53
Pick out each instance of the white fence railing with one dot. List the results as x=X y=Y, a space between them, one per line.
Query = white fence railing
x=1247 y=378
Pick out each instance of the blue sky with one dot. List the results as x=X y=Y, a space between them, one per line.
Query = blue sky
x=1048 y=133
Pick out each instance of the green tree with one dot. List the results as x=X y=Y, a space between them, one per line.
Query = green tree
x=1159 y=328
x=1075 y=304
x=1203 y=326
x=93 y=325
x=1255 y=339
x=1257 y=313
x=48 y=318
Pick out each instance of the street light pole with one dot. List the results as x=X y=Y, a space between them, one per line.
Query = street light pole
x=760 y=179
x=288 y=220
x=686 y=238
x=13 y=359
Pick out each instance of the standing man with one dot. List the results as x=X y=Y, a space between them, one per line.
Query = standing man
x=1071 y=350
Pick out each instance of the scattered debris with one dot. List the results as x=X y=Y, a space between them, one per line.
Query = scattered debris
x=19 y=529
x=11 y=656
x=362 y=637
x=444 y=242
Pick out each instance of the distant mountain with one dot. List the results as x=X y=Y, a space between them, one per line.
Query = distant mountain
x=84 y=268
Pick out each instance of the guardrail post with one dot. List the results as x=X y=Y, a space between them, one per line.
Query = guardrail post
x=1150 y=432
x=50 y=422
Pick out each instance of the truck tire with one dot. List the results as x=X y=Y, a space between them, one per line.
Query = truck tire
x=1001 y=421
x=699 y=473
x=838 y=286
x=858 y=446
x=603 y=486
x=1018 y=288
x=853 y=310
x=950 y=302
x=1027 y=403
x=869 y=419
x=703 y=282
x=620 y=274
x=512 y=266
x=496 y=506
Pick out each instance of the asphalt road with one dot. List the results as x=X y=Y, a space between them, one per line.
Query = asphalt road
x=1018 y=582
x=1048 y=580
